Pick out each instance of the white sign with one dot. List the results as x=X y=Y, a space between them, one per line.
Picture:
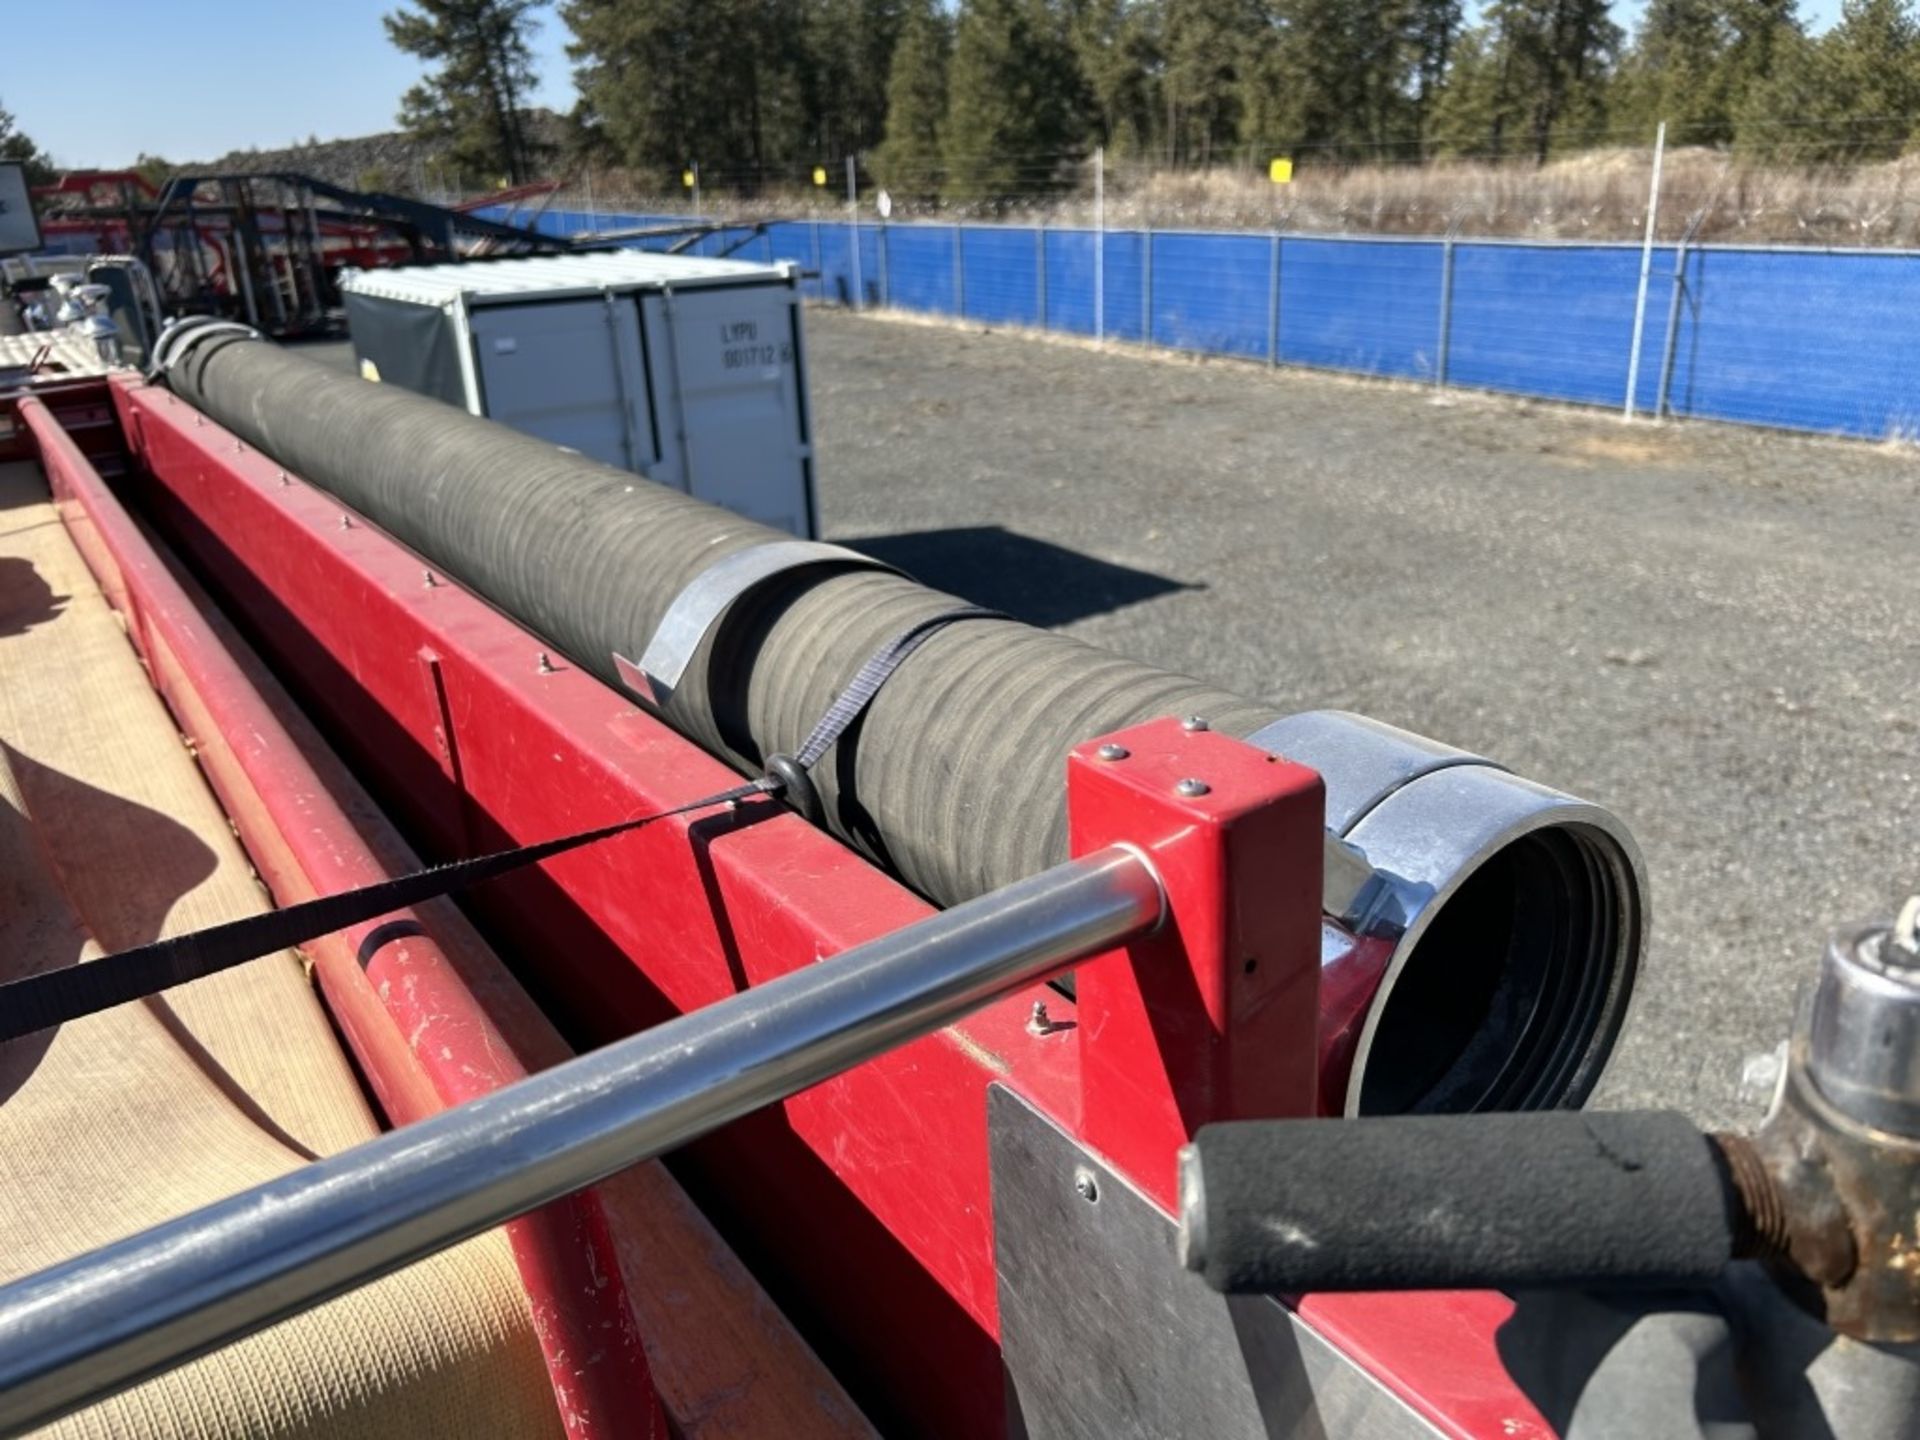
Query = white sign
x=19 y=227
x=883 y=202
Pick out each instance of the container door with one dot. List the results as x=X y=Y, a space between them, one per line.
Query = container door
x=730 y=356
x=569 y=371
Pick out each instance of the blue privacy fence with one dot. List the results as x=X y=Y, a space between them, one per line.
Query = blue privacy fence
x=1825 y=340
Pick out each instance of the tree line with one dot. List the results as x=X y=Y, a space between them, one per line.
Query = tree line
x=998 y=98
x=16 y=145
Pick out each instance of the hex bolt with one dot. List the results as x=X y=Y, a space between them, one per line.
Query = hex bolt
x=545 y=667
x=1195 y=722
x=239 y=447
x=282 y=477
x=1111 y=751
x=1039 y=1023
x=1191 y=788
x=427 y=579
x=346 y=522
x=1085 y=1186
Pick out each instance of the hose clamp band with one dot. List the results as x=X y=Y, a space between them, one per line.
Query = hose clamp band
x=704 y=599
x=181 y=335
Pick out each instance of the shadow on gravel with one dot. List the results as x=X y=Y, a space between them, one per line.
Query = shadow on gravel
x=1032 y=580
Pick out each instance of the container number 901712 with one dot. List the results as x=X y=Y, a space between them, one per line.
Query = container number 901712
x=756 y=357
x=742 y=348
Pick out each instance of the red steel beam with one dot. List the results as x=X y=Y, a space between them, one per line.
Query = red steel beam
x=867 y=1197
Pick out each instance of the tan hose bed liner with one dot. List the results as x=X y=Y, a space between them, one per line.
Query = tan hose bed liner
x=108 y=838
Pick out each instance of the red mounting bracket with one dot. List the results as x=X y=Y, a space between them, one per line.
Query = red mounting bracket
x=1214 y=1015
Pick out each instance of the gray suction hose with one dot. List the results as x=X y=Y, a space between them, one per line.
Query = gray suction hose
x=952 y=779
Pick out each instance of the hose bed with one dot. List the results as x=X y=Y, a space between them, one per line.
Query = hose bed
x=952 y=779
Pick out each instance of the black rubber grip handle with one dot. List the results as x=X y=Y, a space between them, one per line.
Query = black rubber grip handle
x=1442 y=1202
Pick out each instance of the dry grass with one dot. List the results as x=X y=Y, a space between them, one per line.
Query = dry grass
x=1599 y=195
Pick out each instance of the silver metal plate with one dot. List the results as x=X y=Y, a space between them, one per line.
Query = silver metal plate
x=707 y=596
x=1105 y=1334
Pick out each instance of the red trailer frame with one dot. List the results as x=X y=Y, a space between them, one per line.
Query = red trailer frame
x=864 y=1203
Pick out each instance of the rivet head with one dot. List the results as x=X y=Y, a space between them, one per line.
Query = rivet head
x=1195 y=722
x=426 y=579
x=1039 y=1022
x=545 y=666
x=346 y=522
x=1085 y=1186
x=1191 y=787
x=1111 y=751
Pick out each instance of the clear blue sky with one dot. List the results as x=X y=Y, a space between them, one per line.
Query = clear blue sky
x=192 y=79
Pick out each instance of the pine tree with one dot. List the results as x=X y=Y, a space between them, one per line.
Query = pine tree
x=1348 y=78
x=668 y=83
x=909 y=162
x=1844 y=97
x=474 y=102
x=1473 y=111
x=1531 y=78
x=1697 y=63
x=1868 y=73
x=1012 y=101
x=1210 y=47
x=1772 y=61
x=1116 y=45
x=1432 y=30
x=16 y=146
x=849 y=46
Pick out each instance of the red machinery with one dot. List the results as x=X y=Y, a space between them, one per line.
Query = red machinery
x=263 y=248
x=966 y=1209
x=867 y=1203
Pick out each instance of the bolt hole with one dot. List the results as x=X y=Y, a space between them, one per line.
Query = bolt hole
x=1251 y=964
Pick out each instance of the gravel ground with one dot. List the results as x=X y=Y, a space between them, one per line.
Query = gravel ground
x=1708 y=629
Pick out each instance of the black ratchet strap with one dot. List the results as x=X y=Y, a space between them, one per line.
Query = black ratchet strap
x=40 y=1002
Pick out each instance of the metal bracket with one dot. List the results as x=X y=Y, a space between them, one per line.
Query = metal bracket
x=705 y=598
x=1104 y=1333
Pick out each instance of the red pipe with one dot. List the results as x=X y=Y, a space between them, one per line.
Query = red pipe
x=431 y=1015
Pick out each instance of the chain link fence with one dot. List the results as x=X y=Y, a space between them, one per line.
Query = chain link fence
x=1811 y=336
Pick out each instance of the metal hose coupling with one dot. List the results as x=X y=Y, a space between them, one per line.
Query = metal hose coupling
x=1843 y=1139
x=1504 y=920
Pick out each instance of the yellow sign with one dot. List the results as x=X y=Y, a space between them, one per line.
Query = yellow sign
x=819 y=174
x=1280 y=171
x=686 y=178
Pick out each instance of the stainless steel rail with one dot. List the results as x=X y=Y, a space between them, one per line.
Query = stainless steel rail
x=103 y=1321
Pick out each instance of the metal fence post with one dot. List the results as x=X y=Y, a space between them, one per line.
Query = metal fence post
x=853 y=235
x=1646 y=264
x=1273 y=301
x=1446 y=307
x=959 y=275
x=1146 y=287
x=1040 y=269
x=1100 y=243
x=1664 y=390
